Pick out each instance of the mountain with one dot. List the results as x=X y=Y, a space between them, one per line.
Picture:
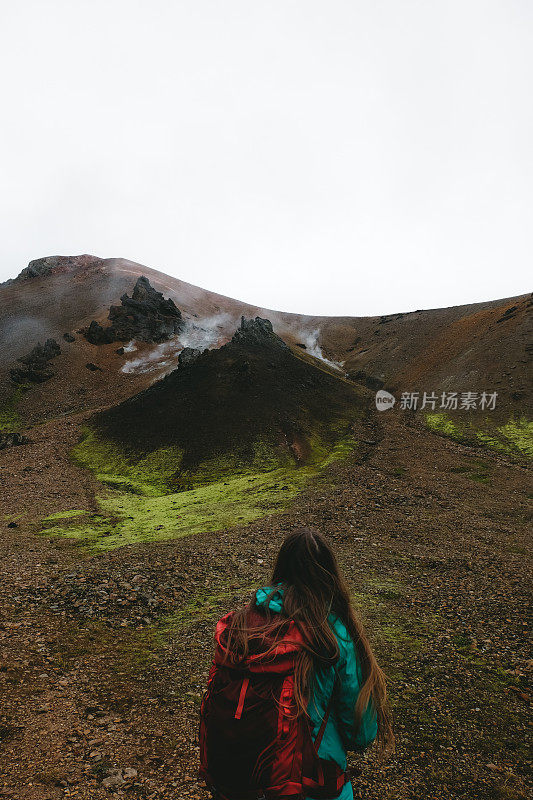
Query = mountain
x=478 y=347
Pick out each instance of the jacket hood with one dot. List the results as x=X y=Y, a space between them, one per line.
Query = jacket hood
x=276 y=600
x=276 y=604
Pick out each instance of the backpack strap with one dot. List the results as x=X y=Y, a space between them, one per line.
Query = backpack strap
x=322 y=728
x=335 y=777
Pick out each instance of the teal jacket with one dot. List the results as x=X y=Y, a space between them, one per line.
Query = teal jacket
x=339 y=735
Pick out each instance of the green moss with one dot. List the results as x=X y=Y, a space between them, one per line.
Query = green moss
x=74 y=512
x=233 y=499
x=398 y=639
x=341 y=450
x=490 y=676
x=10 y=419
x=149 y=475
x=480 y=477
x=126 y=651
x=129 y=652
x=399 y=472
x=397 y=636
x=128 y=518
x=160 y=472
x=150 y=497
x=441 y=423
x=263 y=459
x=477 y=470
x=203 y=604
x=515 y=437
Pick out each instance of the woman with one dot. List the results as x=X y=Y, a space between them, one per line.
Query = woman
x=336 y=685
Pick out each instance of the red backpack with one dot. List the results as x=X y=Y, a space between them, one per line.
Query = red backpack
x=252 y=744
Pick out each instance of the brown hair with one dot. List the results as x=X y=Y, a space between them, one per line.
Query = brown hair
x=313 y=586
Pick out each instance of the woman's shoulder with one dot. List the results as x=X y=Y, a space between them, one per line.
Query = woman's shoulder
x=339 y=628
x=348 y=657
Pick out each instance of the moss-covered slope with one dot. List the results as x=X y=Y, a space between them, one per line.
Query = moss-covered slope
x=224 y=440
x=514 y=437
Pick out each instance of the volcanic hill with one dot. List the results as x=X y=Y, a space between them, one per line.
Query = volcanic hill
x=253 y=403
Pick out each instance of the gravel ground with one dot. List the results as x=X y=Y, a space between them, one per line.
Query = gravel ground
x=103 y=658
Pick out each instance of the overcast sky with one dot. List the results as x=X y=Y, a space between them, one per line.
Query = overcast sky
x=320 y=157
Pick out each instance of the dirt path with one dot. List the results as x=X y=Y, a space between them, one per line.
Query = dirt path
x=103 y=658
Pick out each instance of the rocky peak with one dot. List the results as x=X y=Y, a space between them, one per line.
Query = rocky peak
x=49 y=265
x=188 y=356
x=258 y=332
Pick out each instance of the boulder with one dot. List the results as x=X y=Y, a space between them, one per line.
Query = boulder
x=12 y=440
x=96 y=334
x=258 y=332
x=30 y=375
x=188 y=355
x=36 y=368
x=146 y=316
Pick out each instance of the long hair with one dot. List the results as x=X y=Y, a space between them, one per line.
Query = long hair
x=313 y=587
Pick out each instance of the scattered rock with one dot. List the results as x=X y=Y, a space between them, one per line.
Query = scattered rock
x=354 y=344
x=12 y=440
x=436 y=592
x=68 y=337
x=93 y=367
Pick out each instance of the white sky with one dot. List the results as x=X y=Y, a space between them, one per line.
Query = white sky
x=320 y=157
